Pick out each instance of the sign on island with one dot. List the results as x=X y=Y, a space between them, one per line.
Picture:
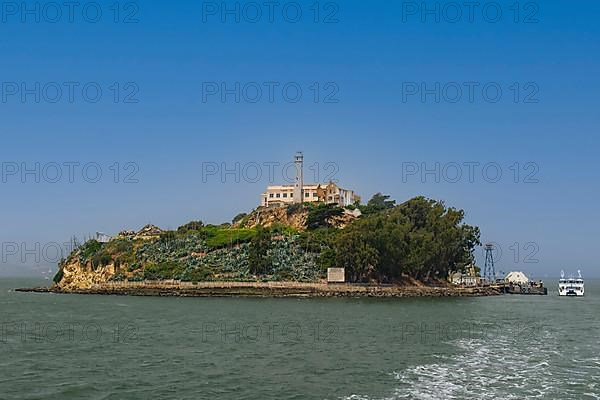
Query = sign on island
x=336 y=275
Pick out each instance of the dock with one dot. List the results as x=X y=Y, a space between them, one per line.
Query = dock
x=536 y=289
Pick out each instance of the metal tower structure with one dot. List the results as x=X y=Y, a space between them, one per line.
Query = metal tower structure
x=299 y=184
x=489 y=271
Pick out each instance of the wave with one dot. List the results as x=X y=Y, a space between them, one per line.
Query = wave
x=506 y=368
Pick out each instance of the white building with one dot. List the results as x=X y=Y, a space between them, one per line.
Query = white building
x=459 y=278
x=281 y=195
x=516 y=278
x=102 y=237
x=471 y=278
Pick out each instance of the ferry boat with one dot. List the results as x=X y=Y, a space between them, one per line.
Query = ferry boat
x=570 y=286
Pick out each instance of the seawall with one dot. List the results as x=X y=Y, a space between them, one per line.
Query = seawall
x=267 y=289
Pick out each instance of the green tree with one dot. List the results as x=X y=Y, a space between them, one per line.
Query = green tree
x=420 y=238
x=320 y=216
x=238 y=218
x=59 y=275
x=258 y=259
x=379 y=202
x=191 y=226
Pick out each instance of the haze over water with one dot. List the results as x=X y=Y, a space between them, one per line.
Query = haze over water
x=111 y=347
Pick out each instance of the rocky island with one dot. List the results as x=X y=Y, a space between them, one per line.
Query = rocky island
x=387 y=250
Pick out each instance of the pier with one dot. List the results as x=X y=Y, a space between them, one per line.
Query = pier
x=536 y=288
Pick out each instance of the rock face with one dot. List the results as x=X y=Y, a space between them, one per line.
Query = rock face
x=343 y=220
x=296 y=217
x=268 y=217
x=77 y=276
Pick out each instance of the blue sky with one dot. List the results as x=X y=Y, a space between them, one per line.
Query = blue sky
x=361 y=58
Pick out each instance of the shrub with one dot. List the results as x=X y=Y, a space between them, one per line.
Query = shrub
x=238 y=218
x=318 y=217
x=58 y=277
x=90 y=248
x=118 y=278
x=280 y=229
x=219 y=237
x=258 y=252
x=119 y=246
x=191 y=226
x=167 y=236
x=197 y=274
x=161 y=271
x=101 y=259
x=293 y=208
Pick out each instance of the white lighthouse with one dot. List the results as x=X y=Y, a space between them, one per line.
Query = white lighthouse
x=299 y=183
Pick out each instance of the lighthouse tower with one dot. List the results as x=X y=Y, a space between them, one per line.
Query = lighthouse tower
x=299 y=183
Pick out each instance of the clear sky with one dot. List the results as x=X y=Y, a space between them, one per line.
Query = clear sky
x=374 y=93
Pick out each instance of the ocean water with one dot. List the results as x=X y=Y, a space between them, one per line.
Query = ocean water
x=113 y=347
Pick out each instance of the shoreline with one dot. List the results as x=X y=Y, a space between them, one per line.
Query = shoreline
x=267 y=290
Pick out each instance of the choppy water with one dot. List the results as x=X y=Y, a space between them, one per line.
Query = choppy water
x=108 y=347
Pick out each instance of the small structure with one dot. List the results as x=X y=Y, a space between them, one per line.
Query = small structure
x=336 y=275
x=516 y=278
x=102 y=237
x=149 y=232
x=458 y=278
x=471 y=278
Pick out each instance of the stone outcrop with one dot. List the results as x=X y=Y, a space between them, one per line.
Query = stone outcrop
x=76 y=276
x=290 y=216
x=268 y=217
x=149 y=232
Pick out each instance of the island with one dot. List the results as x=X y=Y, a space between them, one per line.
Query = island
x=285 y=250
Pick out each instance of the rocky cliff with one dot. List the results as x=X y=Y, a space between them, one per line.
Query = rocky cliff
x=297 y=217
x=76 y=276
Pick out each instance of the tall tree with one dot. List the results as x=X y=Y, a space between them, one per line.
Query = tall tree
x=420 y=238
x=379 y=202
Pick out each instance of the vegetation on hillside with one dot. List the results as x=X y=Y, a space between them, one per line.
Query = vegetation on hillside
x=420 y=238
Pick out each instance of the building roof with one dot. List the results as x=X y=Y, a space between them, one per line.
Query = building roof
x=310 y=186
x=282 y=187
x=516 y=277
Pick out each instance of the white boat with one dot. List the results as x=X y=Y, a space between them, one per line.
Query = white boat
x=571 y=286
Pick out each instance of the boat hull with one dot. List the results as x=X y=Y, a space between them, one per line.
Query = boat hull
x=571 y=294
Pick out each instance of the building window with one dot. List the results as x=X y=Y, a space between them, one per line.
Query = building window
x=315 y=195
x=270 y=195
x=306 y=194
x=278 y=195
x=285 y=195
